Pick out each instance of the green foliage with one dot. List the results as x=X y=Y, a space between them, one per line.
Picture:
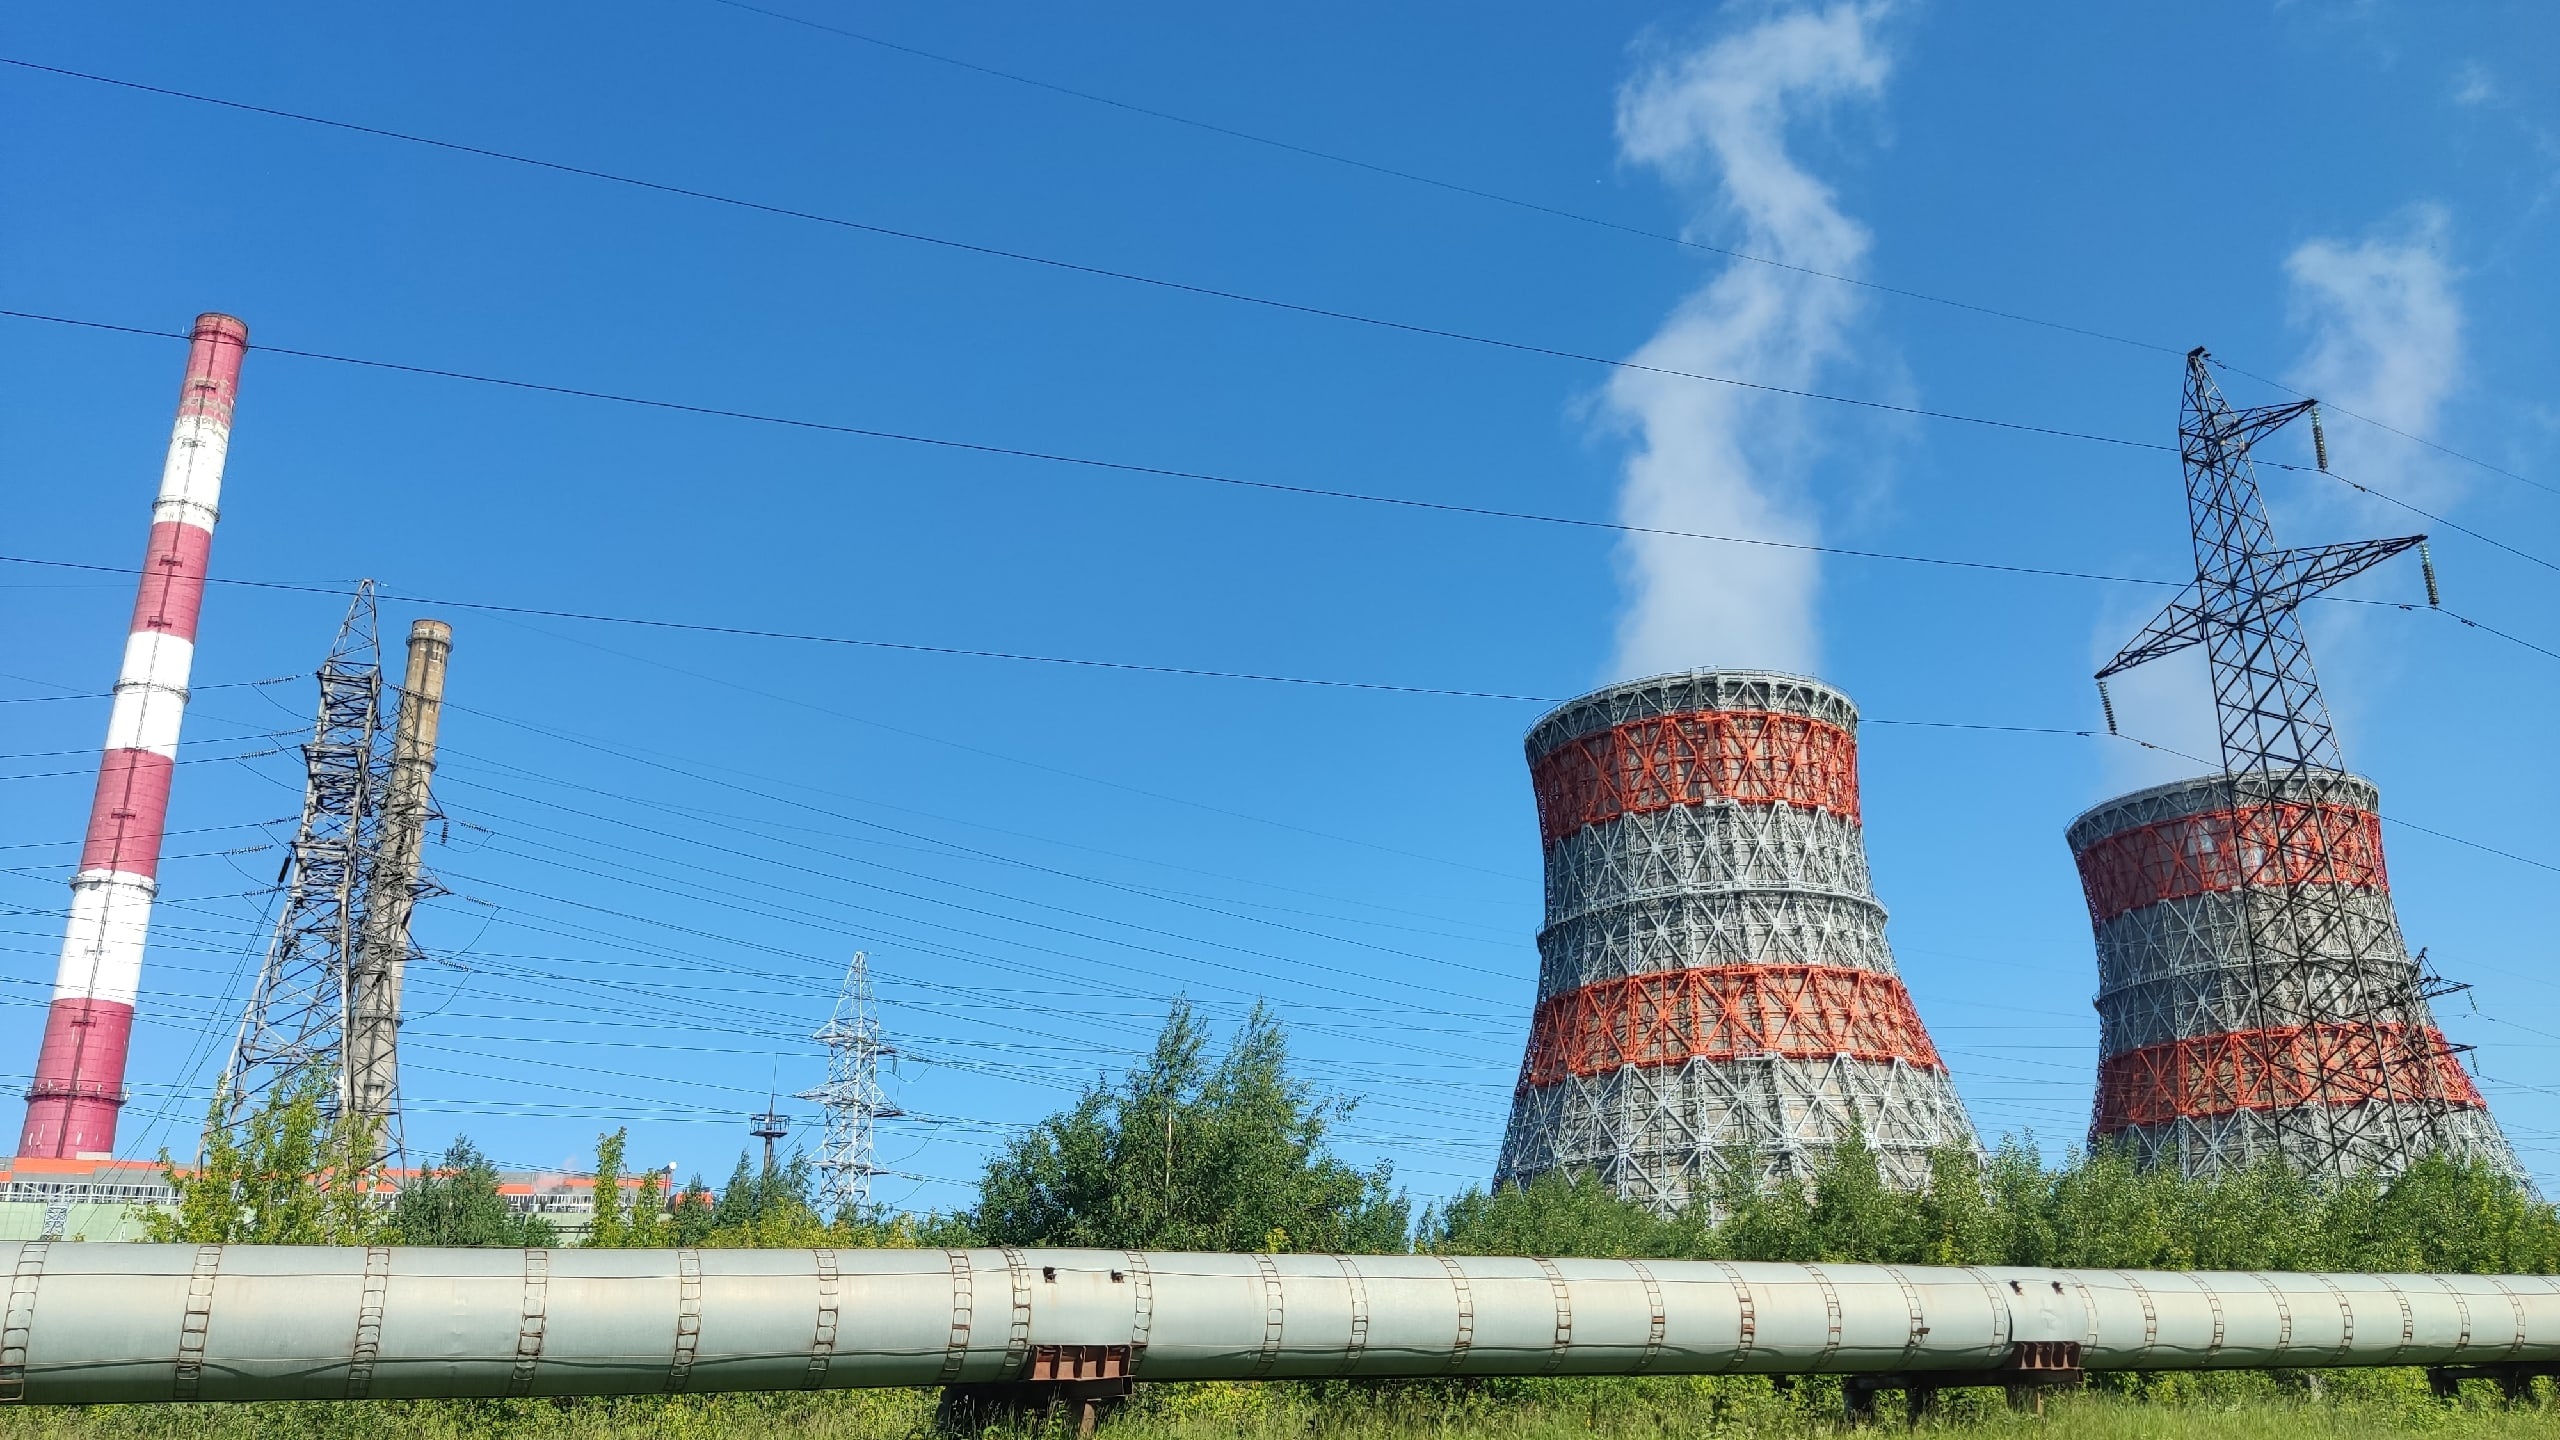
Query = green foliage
x=289 y=1176
x=455 y=1201
x=2099 y=1211
x=2172 y=1407
x=759 y=1209
x=1183 y=1154
x=641 y=1219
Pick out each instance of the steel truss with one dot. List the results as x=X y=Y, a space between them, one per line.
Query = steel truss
x=295 y=1022
x=2256 y=997
x=1714 y=983
x=852 y=1099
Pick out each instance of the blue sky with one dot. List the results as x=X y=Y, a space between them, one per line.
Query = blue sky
x=662 y=845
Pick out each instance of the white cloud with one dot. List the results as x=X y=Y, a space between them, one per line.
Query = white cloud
x=1714 y=119
x=2472 y=85
x=2385 y=323
x=2386 y=343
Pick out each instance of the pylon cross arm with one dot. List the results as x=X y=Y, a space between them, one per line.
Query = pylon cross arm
x=2297 y=575
x=2174 y=629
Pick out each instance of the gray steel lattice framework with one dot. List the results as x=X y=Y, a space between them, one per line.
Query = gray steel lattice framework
x=852 y=1100
x=295 y=1021
x=2256 y=997
x=1715 y=987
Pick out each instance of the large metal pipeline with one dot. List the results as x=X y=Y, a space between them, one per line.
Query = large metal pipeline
x=105 y=1322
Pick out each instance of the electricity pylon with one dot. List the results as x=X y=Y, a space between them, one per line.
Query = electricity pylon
x=854 y=1103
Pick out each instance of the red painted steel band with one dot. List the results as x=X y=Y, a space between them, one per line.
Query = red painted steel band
x=79 y=1083
x=2218 y=850
x=1751 y=757
x=171 y=594
x=128 y=813
x=1725 y=1012
x=2280 y=1068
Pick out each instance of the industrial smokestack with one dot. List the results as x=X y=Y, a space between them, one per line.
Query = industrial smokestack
x=79 y=1079
x=373 y=1018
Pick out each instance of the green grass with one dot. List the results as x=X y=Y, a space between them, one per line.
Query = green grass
x=2220 y=1407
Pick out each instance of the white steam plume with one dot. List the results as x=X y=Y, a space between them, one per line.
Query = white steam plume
x=1714 y=119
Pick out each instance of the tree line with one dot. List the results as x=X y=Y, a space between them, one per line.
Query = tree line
x=1198 y=1147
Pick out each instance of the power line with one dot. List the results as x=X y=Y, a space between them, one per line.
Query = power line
x=2383 y=425
x=110 y=694
x=1292 y=306
x=946 y=849
x=1558 y=212
x=1521 y=347
x=1436 y=183
x=1076 y=662
x=1157 y=472
x=1118 y=466
x=2363 y=489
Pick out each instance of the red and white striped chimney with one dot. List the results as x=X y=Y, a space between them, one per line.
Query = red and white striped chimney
x=79 y=1081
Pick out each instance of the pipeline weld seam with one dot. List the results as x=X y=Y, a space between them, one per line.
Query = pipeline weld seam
x=1017 y=1334
x=2150 y=1313
x=2213 y=1304
x=1275 y=1316
x=2088 y=1309
x=366 y=1349
x=19 y=1324
x=2003 y=1324
x=955 y=1350
x=1142 y=1311
x=1747 y=1331
x=1564 y=1314
x=1358 y=1343
x=2408 y=1320
x=1658 y=1318
x=2347 y=1319
x=187 y=1381
x=535 y=1320
x=822 y=1340
x=2515 y=1304
x=1910 y=1303
x=1465 y=1338
x=688 y=1320
x=1831 y=1316
x=2284 y=1313
x=2461 y=1312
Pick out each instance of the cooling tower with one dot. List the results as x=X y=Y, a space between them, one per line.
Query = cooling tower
x=2318 y=1046
x=1714 y=982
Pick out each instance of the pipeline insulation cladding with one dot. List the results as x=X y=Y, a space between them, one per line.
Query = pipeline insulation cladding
x=79 y=1072
x=148 y=1323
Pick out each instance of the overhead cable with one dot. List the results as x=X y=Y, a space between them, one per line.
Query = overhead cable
x=1436 y=183
x=1273 y=303
x=1521 y=347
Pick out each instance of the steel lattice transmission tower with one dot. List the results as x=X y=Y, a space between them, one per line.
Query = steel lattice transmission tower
x=854 y=1103
x=2256 y=997
x=296 y=1019
x=1714 y=982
